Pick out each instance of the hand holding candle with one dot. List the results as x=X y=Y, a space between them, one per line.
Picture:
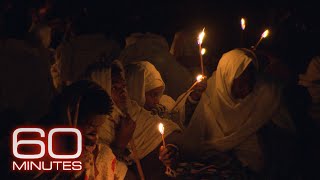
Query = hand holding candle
x=165 y=153
x=199 y=79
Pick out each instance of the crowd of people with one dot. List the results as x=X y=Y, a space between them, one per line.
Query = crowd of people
x=248 y=118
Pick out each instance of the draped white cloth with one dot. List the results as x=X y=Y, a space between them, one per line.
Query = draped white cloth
x=146 y=135
x=142 y=77
x=221 y=122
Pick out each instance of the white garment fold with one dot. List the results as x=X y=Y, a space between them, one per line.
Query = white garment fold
x=223 y=123
x=142 y=77
x=146 y=135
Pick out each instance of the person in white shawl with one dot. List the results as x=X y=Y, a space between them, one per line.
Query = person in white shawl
x=146 y=87
x=146 y=135
x=231 y=111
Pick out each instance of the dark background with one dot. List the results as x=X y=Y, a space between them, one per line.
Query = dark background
x=295 y=28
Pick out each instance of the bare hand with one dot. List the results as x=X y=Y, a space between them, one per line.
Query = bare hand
x=198 y=89
x=168 y=155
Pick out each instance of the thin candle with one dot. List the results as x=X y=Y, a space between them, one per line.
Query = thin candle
x=264 y=35
x=243 y=27
x=198 y=80
x=161 y=129
x=200 y=40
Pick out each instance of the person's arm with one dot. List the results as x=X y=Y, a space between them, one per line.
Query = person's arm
x=123 y=135
x=193 y=100
x=190 y=106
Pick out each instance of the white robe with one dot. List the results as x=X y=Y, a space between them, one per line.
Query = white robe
x=146 y=135
x=222 y=123
x=142 y=77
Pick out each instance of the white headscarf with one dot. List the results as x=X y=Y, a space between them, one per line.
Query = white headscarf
x=146 y=135
x=142 y=77
x=221 y=122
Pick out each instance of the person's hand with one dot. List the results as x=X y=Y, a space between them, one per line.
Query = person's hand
x=198 y=89
x=124 y=132
x=168 y=155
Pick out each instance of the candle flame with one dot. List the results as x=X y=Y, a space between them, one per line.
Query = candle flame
x=201 y=36
x=265 y=33
x=161 y=128
x=203 y=51
x=200 y=78
x=243 y=23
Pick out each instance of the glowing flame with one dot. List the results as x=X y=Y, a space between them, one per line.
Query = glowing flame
x=161 y=128
x=199 y=78
x=265 y=33
x=201 y=36
x=243 y=23
x=203 y=51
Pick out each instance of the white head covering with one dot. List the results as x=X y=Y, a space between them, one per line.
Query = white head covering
x=146 y=135
x=220 y=122
x=141 y=78
x=100 y=73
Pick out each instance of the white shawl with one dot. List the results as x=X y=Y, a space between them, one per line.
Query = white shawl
x=146 y=135
x=223 y=123
x=142 y=77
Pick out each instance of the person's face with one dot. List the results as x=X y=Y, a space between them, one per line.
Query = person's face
x=119 y=92
x=90 y=129
x=243 y=85
x=153 y=97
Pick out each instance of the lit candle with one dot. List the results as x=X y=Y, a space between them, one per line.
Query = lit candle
x=169 y=171
x=264 y=35
x=243 y=24
x=199 y=78
x=200 y=40
x=161 y=129
x=243 y=27
x=203 y=51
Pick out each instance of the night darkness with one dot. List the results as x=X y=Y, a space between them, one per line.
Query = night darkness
x=293 y=41
x=294 y=28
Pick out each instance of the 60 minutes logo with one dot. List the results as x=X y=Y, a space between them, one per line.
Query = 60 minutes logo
x=31 y=162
